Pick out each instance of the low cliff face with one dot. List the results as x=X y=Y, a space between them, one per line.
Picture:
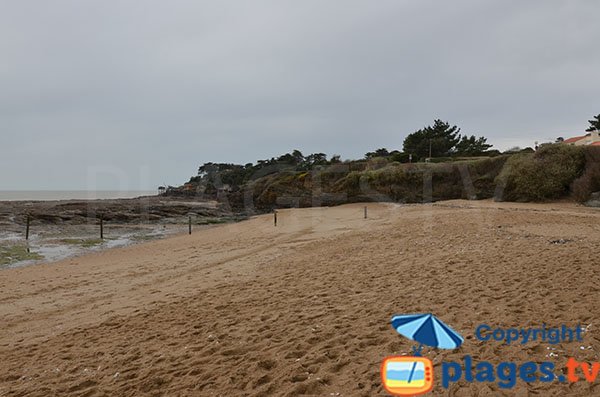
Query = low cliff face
x=553 y=172
x=338 y=184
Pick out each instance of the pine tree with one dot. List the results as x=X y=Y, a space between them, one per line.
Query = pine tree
x=437 y=140
x=594 y=124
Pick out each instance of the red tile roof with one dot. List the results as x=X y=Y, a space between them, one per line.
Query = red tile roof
x=574 y=139
x=595 y=143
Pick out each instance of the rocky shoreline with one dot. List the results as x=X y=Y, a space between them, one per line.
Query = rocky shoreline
x=140 y=210
x=65 y=228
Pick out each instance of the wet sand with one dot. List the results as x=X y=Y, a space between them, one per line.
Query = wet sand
x=303 y=308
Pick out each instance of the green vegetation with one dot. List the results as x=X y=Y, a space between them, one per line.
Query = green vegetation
x=226 y=181
x=594 y=124
x=443 y=140
x=85 y=243
x=211 y=221
x=471 y=146
x=554 y=171
x=373 y=180
x=589 y=181
x=10 y=254
x=461 y=167
x=413 y=183
x=217 y=221
x=543 y=175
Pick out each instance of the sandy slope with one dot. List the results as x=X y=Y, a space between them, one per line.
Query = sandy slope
x=301 y=308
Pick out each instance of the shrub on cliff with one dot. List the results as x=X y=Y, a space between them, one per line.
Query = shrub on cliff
x=413 y=183
x=589 y=181
x=543 y=175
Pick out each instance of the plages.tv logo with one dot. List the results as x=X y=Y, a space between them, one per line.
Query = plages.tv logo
x=413 y=375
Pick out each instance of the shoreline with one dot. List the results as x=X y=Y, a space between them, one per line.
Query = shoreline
x=74 y=241
x=63 y=228
x=95 y=250
x=123 y=210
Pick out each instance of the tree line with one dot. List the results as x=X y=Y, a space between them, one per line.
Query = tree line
x=440 y=140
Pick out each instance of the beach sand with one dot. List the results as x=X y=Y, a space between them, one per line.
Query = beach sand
x=249 y=309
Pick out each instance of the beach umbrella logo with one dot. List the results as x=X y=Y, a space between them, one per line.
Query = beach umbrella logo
x=413 y=375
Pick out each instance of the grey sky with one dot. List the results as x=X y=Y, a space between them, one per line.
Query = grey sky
x=133 y=94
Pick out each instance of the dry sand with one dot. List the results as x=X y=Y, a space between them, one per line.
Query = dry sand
x=303 y=308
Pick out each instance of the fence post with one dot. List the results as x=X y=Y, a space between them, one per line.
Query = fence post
x=365 y=212
x=27 y=228
x=189 y=224
x=101 y=226
x=275 y=217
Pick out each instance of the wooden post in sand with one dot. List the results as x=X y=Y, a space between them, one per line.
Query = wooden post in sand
x=101 y=226
x=275 y=217
x=190 y=224
x=365 y=212
x=27 y=228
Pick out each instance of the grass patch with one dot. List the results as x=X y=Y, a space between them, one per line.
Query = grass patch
x=221 y=220
x=86 y=243
x=16 y=253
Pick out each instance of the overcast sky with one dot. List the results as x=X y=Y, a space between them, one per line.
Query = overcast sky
x=133 y=94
